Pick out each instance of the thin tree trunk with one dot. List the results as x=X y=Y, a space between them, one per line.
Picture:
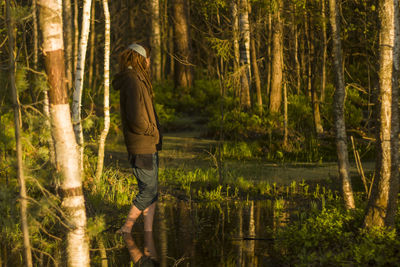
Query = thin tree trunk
x=382 y=207
x=76 y=33
x=269 y=62
x=67 y=155
x=296 y=50
x=103 y=136
x=182 y=47
x=155 y=38
x=92 y=46
x=256 y=73
x=324 y=52
x=79 y=73
x=338 y=109
x=17 y=128
x=245 y=77
x=277 y=67
x=285 y=114
x=67 y=23
x=235 y=37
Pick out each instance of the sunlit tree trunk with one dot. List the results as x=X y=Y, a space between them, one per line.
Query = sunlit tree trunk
x=103 y=136
x=256 y=74
x=92 y=46
x=67 y=155
x=182 y=47
x=155 y=38
x=338 y=107
x=67 y=23
x=382 y=207
x=235 y=37
x=269 y=56
x=245 y=77
x=80 y=70
x=277 y=62
x=17 y=129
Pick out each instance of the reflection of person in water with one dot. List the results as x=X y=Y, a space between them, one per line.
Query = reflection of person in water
x=148 y=257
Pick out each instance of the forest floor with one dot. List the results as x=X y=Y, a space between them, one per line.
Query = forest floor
x=189 y=151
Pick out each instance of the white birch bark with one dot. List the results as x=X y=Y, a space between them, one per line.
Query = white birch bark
x=79 y=72
x=338 y=109
x=382 y=206
x=67 y=156
x=244 y=29
x=17 y=130
x=103 y=136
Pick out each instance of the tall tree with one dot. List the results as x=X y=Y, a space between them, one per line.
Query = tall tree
x=155 y=39
x=103 y=136
x=235 y=37
x=245 y=77
x=382 y=207
x=17 y=131
x=80 y=70
x=324 y=51
x=182 y=46
x=67 y=155
x=338 y=107
x=277 y=60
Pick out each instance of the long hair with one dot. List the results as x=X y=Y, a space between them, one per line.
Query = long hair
x=130 y=59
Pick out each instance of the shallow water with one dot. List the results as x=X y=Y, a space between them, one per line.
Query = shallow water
x=205 y=234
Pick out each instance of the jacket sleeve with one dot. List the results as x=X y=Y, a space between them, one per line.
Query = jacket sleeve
x=138 y=121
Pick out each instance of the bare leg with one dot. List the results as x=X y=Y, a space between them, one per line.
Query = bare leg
x=148 y=215
x=133 y=214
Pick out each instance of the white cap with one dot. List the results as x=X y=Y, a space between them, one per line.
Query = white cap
x=139 y=49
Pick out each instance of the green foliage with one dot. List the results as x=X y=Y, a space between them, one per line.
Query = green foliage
x=333 y=237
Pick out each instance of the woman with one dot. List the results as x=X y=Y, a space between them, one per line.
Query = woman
x=141 y=131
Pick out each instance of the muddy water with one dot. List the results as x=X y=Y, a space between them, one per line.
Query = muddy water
x=213 y=234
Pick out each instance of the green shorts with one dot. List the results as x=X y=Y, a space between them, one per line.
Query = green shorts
x=148 y=184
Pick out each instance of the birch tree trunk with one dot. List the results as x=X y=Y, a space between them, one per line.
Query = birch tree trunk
x=103 y=136
x=277 y=61
x=17 y=131
x=182 y=49
x=67 y=155
x=338 y=108
x=245 y=77
x=155 y=39
x=296 y=49
x=80 y=70
x=382 y=207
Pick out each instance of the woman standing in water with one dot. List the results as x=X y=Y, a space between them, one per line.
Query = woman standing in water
x=141 y=131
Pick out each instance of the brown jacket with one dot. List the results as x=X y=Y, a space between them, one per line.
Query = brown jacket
x=139 y=120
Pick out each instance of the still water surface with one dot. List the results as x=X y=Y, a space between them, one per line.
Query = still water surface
x=203 y=234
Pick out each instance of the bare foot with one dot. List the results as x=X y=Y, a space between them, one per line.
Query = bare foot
x=124 y=230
